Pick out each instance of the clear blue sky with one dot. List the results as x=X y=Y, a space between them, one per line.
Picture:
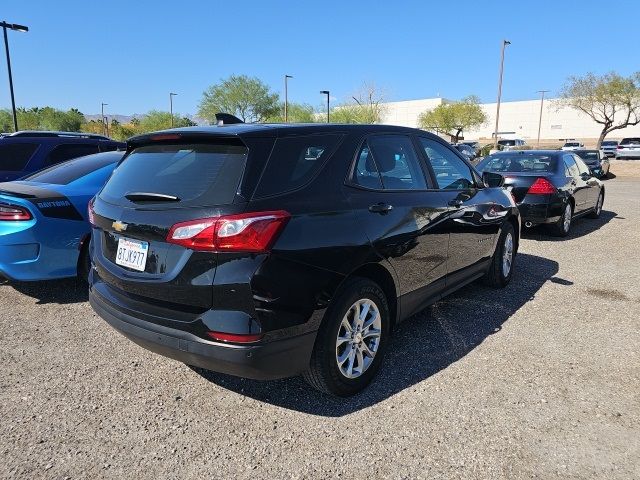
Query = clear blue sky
x=131 y=54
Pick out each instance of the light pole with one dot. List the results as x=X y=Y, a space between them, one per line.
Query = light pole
x=171 y=95
x=495 y=134
x=326 y=92
x=104 y=122
x=540 y=119
x=286 y=99
x=17 y=28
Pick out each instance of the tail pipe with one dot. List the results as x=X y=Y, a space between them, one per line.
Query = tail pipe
x=528 y=224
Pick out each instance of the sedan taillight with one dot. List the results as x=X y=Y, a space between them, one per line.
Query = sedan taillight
x=14 y=213
x=541 y=186
x=248 y=232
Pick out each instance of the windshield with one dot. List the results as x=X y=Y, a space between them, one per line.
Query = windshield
x=518 y=163
x=196 y=174
x=572 y=144
x=589 y=156
x=72 y=170
x=507 y=143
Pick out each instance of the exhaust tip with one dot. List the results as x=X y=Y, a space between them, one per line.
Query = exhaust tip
x=528 y=224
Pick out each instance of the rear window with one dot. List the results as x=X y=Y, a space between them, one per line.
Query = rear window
x=507 y=143
x=198 y=174
x=630 y=141
x=294 y=161
x=589 y=156
x=518 y=163
x=72 y=170
x=14 y=157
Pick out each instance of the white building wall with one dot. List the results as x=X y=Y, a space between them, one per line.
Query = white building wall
x=521 y=118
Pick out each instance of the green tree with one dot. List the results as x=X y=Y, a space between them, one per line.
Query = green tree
x=297 y=113
x=454 y=118
x=245 y=97
x=366 y=106
x=158 y=120
x=611 y=100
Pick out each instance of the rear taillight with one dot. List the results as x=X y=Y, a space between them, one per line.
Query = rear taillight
x=91 y=213
x=235 y=337
x=619 y=147
x=14 y=212
x=541 y=186
x=248 y=232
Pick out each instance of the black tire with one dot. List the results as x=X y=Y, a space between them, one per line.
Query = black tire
x=324 y=373
x=84 y=263
x=496 y=276
x=560 y=228
x=597 y=210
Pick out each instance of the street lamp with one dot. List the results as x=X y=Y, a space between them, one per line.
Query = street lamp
x=104 y=122
x=171 y=95
x=540 y=119
x=326 y=92
x=286 y=99
x=504 y=44
x=17 y=28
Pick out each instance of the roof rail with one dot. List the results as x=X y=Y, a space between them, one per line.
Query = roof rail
x=39 y=133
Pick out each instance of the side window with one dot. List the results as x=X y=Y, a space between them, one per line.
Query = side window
x=69 y=151
x=366 y=173
x=395 y=160
x=294 y=161
x=450 y=171
x=582 y=167
x=108 y=147
x=571 y=167
x=15 y=156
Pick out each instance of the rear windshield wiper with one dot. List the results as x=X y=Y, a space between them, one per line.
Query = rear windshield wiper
x=150 y=197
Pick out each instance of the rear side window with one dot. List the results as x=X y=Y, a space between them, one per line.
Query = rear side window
x=571 y=167
x=14 y=157
x=67 y=152
x=198 y=174
x=294 y=161
x=72 y=170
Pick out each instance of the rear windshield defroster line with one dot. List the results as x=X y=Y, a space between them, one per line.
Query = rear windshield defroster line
x=196 y=174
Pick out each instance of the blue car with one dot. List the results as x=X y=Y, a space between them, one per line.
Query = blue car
x=44 y=230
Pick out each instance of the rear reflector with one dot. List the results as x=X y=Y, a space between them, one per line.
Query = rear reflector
x=14 y=213
x=235 y=337
x=248 y=232
x=541 y=186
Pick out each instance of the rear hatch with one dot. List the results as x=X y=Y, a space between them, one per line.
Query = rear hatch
x=166 y=181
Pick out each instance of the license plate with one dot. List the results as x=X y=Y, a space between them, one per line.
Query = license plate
x=132 y=254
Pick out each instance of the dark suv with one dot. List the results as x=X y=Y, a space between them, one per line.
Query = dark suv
x=26 y=152
x=267 y=251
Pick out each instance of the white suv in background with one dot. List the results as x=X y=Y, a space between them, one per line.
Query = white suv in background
x=573 y=145
x=509 y=144
x=628 y=148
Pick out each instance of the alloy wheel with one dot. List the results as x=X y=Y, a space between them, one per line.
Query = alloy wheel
x=507 y=255
x=358 y=338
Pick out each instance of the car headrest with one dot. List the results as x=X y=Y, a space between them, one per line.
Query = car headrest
x=385 y=158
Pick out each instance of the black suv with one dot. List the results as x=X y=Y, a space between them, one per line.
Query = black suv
x=267 y=251
x=28 y=151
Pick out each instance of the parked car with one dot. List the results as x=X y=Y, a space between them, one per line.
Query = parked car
x=468 y=152
x=596 y=161
x=628 y=148
x=43 y=219
x=550 y=187
x=609 y=147
x=475 y=145
x=573 y=145
x=26 y=152
x=230 y=249
x=506 y=144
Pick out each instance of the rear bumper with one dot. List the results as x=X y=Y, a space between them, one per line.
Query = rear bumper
x=627 y=153
x=539 y=213
x=284 y=357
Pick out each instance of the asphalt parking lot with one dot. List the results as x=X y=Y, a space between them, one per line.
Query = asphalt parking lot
x=540 y=380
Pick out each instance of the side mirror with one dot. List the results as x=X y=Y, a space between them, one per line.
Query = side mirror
x=492 y=179
x=586 y=176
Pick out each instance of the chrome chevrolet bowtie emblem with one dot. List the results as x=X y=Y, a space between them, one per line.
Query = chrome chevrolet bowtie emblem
x=118 y=226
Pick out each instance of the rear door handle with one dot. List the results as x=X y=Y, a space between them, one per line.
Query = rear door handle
x=381 y=208
x=456 y=202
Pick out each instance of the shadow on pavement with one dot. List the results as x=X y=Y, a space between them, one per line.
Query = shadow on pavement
x=579 y=227
x=65 y=291
x=422 y=346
